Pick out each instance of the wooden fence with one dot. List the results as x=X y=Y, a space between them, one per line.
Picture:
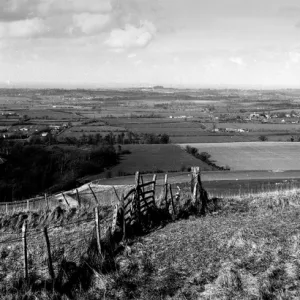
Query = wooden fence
x=47 y=244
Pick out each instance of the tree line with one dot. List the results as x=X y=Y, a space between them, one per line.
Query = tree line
x=33 y=169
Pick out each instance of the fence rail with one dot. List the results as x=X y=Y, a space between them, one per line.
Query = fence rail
x=42 y=251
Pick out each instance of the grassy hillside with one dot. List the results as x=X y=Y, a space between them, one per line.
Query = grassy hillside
x=247 y=248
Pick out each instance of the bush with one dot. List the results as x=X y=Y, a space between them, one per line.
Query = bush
x=263 y=138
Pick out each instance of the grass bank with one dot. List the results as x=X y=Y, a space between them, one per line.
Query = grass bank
x=247 y=247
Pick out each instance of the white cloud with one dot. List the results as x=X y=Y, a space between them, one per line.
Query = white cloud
x=138 y=62
x=91 y=23
x=47 y=7
x=238 y=60
x=294 y=57
x=131 y=36
x=131 y=55
x=22 y=29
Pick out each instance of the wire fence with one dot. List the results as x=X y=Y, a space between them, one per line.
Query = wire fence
x=69 y=243
x=86 y=196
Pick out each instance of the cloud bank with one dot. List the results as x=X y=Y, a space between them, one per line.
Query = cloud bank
x=121 y=23
x=131 y=36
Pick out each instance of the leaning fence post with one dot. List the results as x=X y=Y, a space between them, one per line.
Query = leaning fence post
x=65 y=199
x=24 y=238
x=137 y=195
x=50 y=266
x=154 y=186
x=78 y=197
x=166 y=190
x=98 y=232
x=115 y=217
x=96 y=200
x=194 y=182
x=123 y=219
x=172 y=201
x=46 y=201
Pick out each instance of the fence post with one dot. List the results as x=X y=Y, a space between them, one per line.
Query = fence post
x=6 y=208
x=166 y=191
x=50 y=266
x=172 y=201
x=65 y=199
x=154 y=186
x=96 y=200
x=24 y=238
x=194 y=183
x=123 y=219
x=137 y=196
x=46 y=200
x=27 y=205
x=78 y=197
x=114 y=221
x=98 y=232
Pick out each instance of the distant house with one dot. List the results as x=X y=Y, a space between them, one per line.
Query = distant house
x=253 y=116
x=55 y=127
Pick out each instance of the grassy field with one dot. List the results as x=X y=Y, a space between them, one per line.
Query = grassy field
x=154 y=158
x=48 y=113
x=258 y=126
x=215 y=138
x=253 y=156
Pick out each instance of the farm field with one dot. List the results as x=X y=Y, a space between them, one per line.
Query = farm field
x=154 y=158
x=257 y=126
x=253 y=156
x=251 y=137
x=48 y=113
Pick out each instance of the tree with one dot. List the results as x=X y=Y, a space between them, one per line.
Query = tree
x=262 y=138
x=164 y=139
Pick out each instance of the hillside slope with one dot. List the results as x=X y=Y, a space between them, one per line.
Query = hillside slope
x=249 y=250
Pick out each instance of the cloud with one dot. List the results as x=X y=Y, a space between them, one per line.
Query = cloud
x=91 y=23
x=22 y=28
x=76 y=6
x=289 y=11
x=13 y=10
x=238 y=60
x=131 y=36
x=21 y=9
x=138 y=62
x=294 y=57
x=131 y=55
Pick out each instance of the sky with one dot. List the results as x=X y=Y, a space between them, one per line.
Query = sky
x=192 y=43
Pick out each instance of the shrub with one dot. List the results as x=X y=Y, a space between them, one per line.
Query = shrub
x=262 y=138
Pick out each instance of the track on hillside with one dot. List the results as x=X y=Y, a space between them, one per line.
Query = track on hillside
x=220 y=183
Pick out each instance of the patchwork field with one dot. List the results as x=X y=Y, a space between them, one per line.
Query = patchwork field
x=47 y=113
x=155 y=158
x=257 y=126
x=253 y=156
